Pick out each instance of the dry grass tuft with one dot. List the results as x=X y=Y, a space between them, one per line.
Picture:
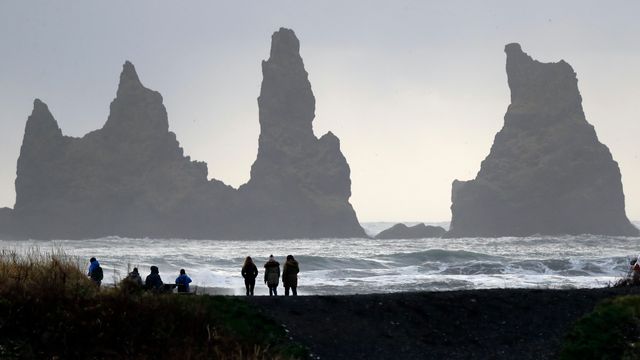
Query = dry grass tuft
x=50 y=309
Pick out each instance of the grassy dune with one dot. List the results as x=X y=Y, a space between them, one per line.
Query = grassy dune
x=50 y=309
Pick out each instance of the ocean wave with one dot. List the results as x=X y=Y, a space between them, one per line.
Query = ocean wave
x=439 y=255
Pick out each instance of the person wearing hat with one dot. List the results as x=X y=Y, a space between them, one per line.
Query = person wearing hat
x=290 y=272
x=272 y=275
x=95 y=271
x=183 y=281
x=135 y=277
x=153 y=280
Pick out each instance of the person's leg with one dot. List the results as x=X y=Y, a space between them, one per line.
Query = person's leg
x=294 y=290
x=252 y=286
x=247 y=285
x=271 y=290
x=275 y=290
x=286 y=290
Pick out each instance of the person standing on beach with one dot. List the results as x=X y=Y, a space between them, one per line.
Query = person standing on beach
x=95 y=271
x=249 y=273
x=272 y=275
x=290 y=272
x=183 y=282
x=153 y=280
x=135 y=277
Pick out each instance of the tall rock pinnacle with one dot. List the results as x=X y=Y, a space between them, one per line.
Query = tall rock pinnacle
x=42 y=144
x=301 y=183
x=136 y=110
x=286 y=102
x=547 y=173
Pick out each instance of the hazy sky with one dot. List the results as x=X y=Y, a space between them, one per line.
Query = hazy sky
x=415 y=90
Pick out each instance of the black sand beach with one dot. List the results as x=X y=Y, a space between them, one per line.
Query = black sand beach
x=475 y=324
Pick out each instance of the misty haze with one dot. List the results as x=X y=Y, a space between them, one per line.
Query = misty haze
x=322 y=180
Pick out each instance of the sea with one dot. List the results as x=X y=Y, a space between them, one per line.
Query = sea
x=362 y=266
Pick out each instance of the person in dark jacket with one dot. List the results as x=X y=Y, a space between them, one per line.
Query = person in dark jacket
x=272 y=275
x=183 y=282
x=95 y=271
x=290 y=275
x=153 y=280
x=135 y=277
x=249 y=273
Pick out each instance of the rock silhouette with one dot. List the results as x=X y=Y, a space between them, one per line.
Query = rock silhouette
x=131 y=177
x=419 y=231
x=547 y=173
x=299 y=183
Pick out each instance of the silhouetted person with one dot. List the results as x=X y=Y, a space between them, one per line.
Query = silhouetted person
x=272 y=275
x=95 y=271
x=135 y=277
x=290 y=272
x=183 y=282
x=153 y=280
x=635 y=272
x=249 y=273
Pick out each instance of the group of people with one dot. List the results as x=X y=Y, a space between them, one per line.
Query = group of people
x=249 y=272
x=290 y=272
x=153 y=281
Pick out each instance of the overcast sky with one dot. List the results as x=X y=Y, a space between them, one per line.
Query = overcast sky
x=415 y=90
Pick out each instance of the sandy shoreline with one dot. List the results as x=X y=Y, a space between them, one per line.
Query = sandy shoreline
x=480 y=324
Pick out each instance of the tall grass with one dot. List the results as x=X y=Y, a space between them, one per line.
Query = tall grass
x=42 y=274
x=50 y=309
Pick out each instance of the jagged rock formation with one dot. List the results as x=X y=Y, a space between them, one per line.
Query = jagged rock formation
x=131 y=178
x=299 y=183
x=419 y=231
x=547 y=173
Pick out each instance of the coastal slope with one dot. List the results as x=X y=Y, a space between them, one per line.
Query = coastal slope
x=547 y=172
x=131 y=178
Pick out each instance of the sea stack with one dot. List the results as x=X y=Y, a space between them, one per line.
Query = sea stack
x=131 y=178
x=300 y=185
x=418 y=231
x=547 y=173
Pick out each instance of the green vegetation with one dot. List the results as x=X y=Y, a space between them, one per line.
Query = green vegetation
x=611 y=331
x=50 y=309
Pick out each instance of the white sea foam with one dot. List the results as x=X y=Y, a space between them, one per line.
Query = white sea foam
x=348 y=266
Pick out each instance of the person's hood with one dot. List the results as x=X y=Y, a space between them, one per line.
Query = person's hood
x=292 y=263
x=95 y=263
x=271 y=264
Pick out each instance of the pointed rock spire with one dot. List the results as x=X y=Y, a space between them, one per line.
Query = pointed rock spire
x=41 y=123
x=547 y=173
x=129 y=80
x=136 y=110
x=301 y=182
x=285 y=48
x=286 y=102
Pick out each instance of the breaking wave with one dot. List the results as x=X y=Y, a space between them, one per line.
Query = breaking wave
x=348 y=266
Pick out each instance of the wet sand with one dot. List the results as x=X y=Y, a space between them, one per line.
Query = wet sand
x=476 y=324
